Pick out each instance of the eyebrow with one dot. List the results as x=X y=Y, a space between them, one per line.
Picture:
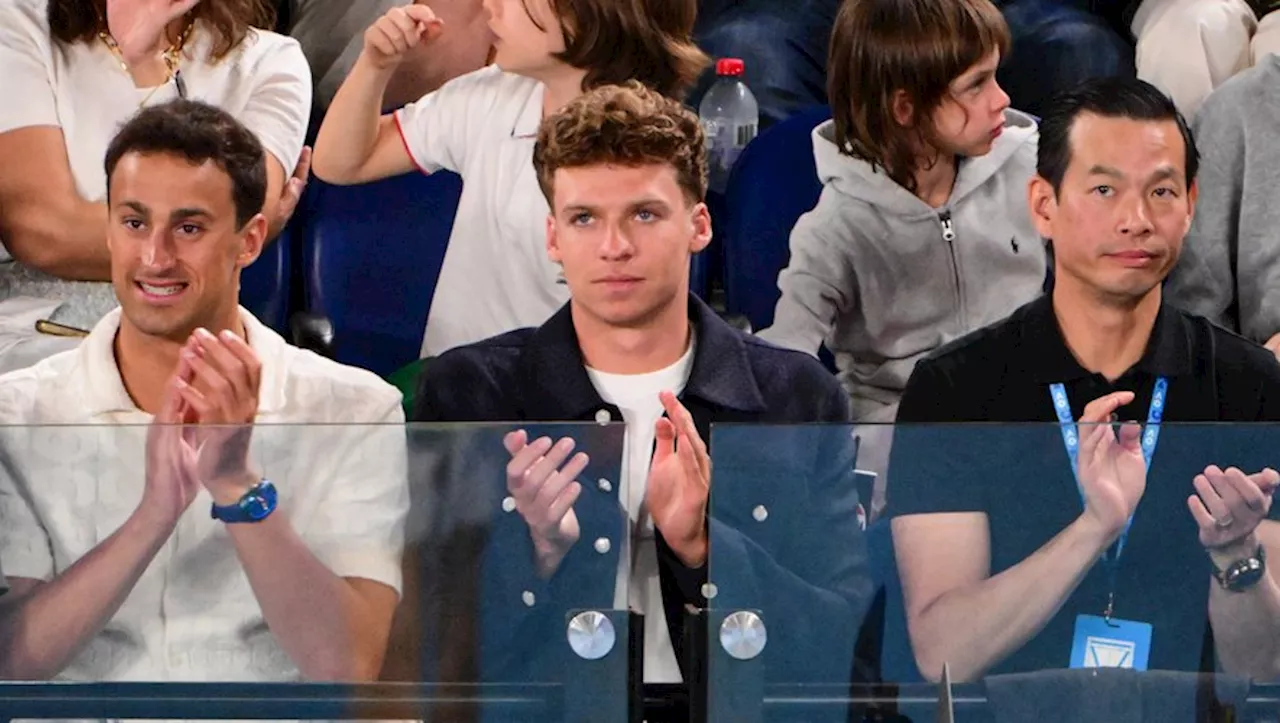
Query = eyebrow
x=980 y=78
x=183 y=214
x=180 y=214
x=1163 y=173
x=636 y=205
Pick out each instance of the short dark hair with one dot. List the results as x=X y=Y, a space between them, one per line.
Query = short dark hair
x=1114 y=97
x=623 y=125
x=199 y=133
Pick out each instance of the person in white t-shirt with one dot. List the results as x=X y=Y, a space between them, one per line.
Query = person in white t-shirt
x=624 y=170
x=185 y=496
x=495 y=276
x=73 y=71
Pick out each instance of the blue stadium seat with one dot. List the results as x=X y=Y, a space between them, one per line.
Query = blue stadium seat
x=773 y=183
x=267 y=284
x=371 y=259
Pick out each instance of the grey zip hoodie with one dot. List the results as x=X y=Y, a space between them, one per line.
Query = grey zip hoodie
x=883 y=279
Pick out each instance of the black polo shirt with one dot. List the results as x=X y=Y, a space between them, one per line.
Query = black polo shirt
x=1020 y=476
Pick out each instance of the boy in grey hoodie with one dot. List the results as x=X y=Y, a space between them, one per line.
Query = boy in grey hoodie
x=922 y=232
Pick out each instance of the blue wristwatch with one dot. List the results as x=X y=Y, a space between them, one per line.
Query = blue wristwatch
x=254 y=506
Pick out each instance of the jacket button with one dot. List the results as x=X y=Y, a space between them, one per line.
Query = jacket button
x=508 y=504
x=528 y=598
x=603 y=416
x=604 y=485
x=603 y=545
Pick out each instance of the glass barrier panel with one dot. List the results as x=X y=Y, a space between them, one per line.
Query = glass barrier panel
x=314 y=571
x=859 y=561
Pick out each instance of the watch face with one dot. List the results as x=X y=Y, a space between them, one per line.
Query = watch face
x=256 y=507
x=1245 y=574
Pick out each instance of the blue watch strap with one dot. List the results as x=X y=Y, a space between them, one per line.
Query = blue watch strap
x=255 y=506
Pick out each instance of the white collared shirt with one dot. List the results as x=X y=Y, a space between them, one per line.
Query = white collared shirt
x=68 y=484
x=496 y=276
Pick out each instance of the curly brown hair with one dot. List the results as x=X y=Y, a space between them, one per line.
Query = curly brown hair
x=80 y=21
x=619 y=40
x=623 y=125
x=879 y=47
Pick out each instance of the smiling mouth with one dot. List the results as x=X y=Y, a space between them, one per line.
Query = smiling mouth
x=161 y=290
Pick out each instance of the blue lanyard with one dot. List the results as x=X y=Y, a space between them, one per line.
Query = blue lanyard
x=1071 y=439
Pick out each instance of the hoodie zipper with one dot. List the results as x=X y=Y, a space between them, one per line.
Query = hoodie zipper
x=949 y=235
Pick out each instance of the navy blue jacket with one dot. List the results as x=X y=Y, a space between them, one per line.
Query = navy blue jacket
x=804 y=567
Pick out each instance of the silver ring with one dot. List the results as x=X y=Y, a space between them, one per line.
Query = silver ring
x=1224 y=523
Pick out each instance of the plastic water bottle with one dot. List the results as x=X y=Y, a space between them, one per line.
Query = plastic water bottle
x=730 y=117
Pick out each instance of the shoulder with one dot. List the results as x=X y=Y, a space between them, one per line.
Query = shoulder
x=319 y=390
x=473 y=382
x=952 y=382
x=25 y=23
x=1242 y=91
x=268 y=51
x=27 y=396
x=1233 y=354
x=979 y=347
x=490 y=86
x=787 y=378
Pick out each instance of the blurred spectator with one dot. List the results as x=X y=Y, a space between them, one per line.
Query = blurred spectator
x=496 y=276
x=1229 y=270
x=1059 y=43
x=166 y=559
x=1013 y=554
x=73 y=71
x=625 y=171
x=331 y=33
x=1189 y=47
x=921 y=234
x=783 y=44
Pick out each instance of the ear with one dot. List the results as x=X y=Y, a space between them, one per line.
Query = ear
x=553 y=245
x=702 y=232
x=1042 y=201
x=904 y=109
x=253 y=238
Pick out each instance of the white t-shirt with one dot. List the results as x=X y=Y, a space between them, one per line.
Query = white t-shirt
x=496 y=275
x=330 y=437
x=636 y=395
x=81 y=88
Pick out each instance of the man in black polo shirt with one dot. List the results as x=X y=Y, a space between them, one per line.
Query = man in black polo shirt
x=624 y=172
x=1009 y=560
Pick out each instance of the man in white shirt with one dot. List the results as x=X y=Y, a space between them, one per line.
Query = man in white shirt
x=141 y=535
x=624 y=172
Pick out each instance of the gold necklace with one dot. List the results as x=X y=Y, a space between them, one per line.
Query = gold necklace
x=172 y=57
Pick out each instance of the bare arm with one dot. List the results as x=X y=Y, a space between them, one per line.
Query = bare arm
x=334 y=629
x=356 y=143
x=959 y=616
x=1246 y=625
x=43 y=626
x=44 y=222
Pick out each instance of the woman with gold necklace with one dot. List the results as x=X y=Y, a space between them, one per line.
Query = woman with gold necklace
x=72 y=71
